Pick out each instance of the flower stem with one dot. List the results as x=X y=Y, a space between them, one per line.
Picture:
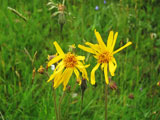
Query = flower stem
x=80 y=112
x=55 y=105
x=59 y=108
x=106 y=93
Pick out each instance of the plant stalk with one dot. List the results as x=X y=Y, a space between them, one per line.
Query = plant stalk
x=59 y=108
x=106 y=94
x=55 y=105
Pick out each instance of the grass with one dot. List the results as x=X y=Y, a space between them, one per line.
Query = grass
x=24 y=98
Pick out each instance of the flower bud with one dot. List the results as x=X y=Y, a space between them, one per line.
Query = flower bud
x=72 y=48
x=113 y=85
x=84 y=84
x=41 y=70
x=131 y=96
x=61 y=7
x=33 y=73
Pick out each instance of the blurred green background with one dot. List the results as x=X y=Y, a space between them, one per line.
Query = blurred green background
x=137 y=74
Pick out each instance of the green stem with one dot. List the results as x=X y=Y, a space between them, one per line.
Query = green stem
x=79 y=117
x=106 y=93
x=17 y=13
x=55 y=105
x=59 y=108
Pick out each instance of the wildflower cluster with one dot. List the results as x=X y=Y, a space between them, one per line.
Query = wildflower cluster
x=69 y=62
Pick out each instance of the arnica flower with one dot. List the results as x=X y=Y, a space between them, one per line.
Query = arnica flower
x=104 y=54
x=68 y=64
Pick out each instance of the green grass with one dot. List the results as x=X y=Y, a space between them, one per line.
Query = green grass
x=24 y=98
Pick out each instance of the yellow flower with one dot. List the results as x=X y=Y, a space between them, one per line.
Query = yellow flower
x=104 y=54
x=69 y=63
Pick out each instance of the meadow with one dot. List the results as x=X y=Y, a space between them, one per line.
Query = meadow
x=25 y=94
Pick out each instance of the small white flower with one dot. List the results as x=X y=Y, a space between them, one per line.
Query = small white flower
x=52 y=67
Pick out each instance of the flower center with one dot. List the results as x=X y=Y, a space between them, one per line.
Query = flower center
x=70 y=60
x=105 y=57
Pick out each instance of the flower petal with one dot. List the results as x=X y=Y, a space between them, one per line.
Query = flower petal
x=87 y=49
x=110 y=40
x=66 y=78
x=56 y=71
x=60 y=64
x=59 y=69
x=112 y=67
x=94 y=46
x=80 y=57
x=93 y=74
x=126 y=45
x=106 y=74
x=60 y=78
x=57 y=79
x=82 y=69
x=114 y=41
x=54 y=60
x=80 y=64
x=100 y=41
x=77 y=75
x=51 y=77
x=58 y=48
x=102 y=66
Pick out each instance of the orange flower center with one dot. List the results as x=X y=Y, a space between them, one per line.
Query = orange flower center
x=105 y=57
x=70 y=60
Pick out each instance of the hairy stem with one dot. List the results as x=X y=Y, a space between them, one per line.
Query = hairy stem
x=55 y=105
x=106 y=93
x=59 y=108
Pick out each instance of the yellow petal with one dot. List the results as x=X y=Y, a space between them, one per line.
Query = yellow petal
x=100 y=41
x=58 y=79
x=58 y=48
x=94 y=46
x=77 y=75
x=87 y=49
x=59 y=69
x=93 y=74
x=60 y=64
x=112 y=68
x=80 y=64
x=114 y=41
x=126 y=45
x=66 y=78
x=110 y=40
x=80 y=57
x=114 y=62
x=96 y=56
x=106 y=74
x=83 y=71
x=51 y=77
x=102 y=66
x=54 y=60
x=56 y=71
